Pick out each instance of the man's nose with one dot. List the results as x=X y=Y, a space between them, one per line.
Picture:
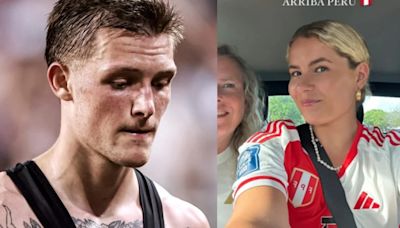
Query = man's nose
x=143 y=103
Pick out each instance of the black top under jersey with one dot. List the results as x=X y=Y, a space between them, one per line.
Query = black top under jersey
x=51 y=212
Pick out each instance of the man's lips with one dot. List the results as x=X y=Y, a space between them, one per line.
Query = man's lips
x=139 y=133
x=309 y=102
x=138 y=130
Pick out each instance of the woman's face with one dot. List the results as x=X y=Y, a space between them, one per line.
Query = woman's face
x=231 y=101
x=322 y=84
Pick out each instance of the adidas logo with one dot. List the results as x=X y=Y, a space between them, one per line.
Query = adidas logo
x=365 y=202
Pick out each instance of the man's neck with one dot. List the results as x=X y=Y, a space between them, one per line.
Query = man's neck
x=87 y=180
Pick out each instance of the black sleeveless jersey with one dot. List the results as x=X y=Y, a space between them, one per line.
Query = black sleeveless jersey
x=51 y=212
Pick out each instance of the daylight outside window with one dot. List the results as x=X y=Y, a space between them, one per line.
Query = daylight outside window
x=383 y=112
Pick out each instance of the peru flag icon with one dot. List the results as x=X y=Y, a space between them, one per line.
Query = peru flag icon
x=302 y=187
x=365 y=2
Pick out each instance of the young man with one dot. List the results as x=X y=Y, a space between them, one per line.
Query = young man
x=111 y=64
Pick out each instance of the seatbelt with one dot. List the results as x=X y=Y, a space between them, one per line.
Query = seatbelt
x=331 y=185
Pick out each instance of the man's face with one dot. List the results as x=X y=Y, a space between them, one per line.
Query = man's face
x=120 y=94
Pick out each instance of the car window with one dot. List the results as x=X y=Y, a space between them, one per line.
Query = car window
x=283 y=107
x=383 y=112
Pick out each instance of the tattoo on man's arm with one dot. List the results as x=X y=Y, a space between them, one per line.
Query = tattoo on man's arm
x=33 y=224
x=8 y=218
x=79 y=223
x=10 y=223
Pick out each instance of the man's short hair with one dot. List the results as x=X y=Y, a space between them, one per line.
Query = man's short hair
x=72 y=25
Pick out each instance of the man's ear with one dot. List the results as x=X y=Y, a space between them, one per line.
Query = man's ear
x=57 y=76
x=362 y=74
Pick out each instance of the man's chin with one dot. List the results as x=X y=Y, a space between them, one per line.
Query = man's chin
x=134 y=164
x=135 y=159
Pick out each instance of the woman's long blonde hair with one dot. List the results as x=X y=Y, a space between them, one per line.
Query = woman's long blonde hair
x=254 y=99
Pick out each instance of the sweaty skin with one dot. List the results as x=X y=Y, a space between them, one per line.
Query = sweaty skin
x=111 y=107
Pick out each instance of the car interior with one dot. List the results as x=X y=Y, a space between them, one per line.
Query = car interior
x=259 y=32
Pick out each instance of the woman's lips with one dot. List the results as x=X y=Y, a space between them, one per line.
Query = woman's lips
x=309 y=102
x=222 y=114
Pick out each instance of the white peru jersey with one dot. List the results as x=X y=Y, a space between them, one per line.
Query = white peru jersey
x=369 y=175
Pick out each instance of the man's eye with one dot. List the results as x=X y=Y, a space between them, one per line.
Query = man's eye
x=295 y=73
x=119 y=84
x=321 y=69
x=161 y=84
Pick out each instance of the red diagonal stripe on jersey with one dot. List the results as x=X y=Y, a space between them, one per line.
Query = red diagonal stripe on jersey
x=378 y=132
x=367 y=203
x=279 y=133
x=253 y=136
x=274 y=129
x=370 y=136
x=375 y=205
x=258 y=178
x=393 y=142
x=395 y=135
x=365 y=137
x=393 y=138
x=288 y=122
x=270 y=130
x=267 y=130
x=377 y=136
x=360 y=200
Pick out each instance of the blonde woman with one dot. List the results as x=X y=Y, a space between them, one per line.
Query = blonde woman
x=240 y=109
x=278 y=185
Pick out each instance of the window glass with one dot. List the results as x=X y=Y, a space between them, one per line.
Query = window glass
x=383 y=112
x=283 y=107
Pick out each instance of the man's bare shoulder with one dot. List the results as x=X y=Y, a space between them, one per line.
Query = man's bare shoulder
x=14 y=210
x=8 y=192
x=179 y=213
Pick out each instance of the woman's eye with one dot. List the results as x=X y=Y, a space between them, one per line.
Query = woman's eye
x=228 y=85
x=295 y=73
x=321 y=69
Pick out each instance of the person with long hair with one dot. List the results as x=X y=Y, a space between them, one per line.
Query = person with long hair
x=278 y=184
x=240 y=114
